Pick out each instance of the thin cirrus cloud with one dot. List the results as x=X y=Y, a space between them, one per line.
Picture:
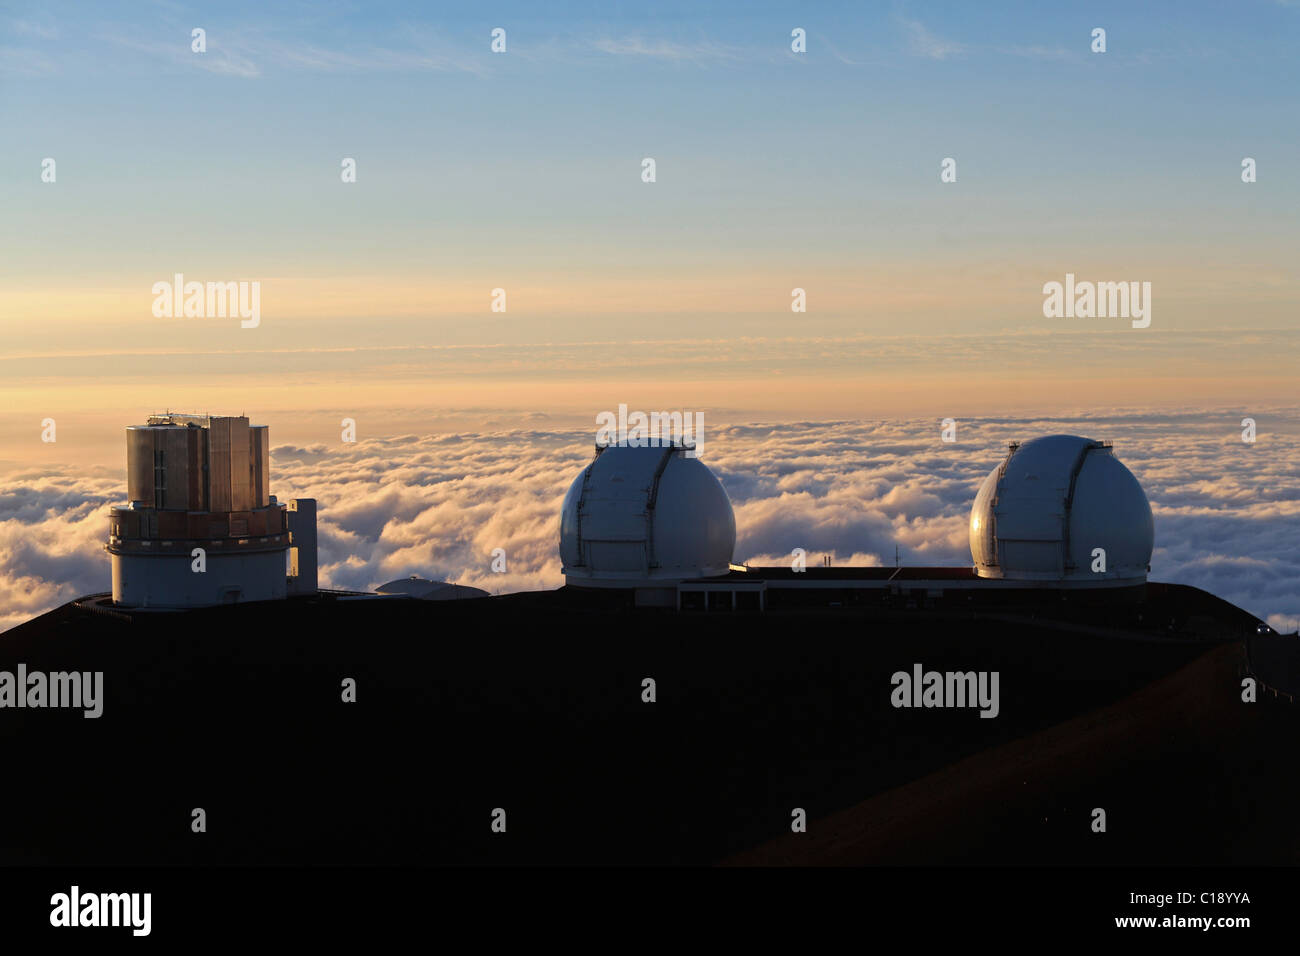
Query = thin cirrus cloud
x=665 y=49
x=235 y=55
x=21 y=61
x=437 y=506
x=41 y=30
x=921 y=41
x=251 y=52
x=225 y=59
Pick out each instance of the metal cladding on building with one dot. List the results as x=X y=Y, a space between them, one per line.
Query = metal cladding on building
x=1062 y=510
x=641 y=517
x=202 y=482
x=301 y=518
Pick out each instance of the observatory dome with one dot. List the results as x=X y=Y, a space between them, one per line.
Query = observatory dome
x=425 y=590
x=1042 y=513
x=638 y=517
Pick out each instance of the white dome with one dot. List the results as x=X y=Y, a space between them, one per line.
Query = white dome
x=642 y=516
x=1041 y=513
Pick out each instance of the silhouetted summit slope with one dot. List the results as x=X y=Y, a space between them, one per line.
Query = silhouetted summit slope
x=1186 y=773
x=533 y=703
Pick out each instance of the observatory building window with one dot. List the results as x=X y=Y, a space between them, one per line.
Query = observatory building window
x=160 y=479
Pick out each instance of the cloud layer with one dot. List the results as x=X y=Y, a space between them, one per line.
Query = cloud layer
x=1226 y=511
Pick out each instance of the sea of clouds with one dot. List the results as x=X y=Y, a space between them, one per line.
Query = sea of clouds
x=1227 y=513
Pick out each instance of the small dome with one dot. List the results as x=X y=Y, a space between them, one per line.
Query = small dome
x=1042 y=513
x=417 y=587
x=642 y=516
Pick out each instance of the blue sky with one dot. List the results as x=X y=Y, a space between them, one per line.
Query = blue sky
x=775 y=170
x=762 y=153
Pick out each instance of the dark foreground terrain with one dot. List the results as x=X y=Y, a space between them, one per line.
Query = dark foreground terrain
x=533 y=703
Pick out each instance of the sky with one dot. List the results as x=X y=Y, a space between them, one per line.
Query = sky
x=523 y=171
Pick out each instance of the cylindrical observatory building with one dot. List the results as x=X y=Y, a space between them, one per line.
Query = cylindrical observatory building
x=202 y=528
